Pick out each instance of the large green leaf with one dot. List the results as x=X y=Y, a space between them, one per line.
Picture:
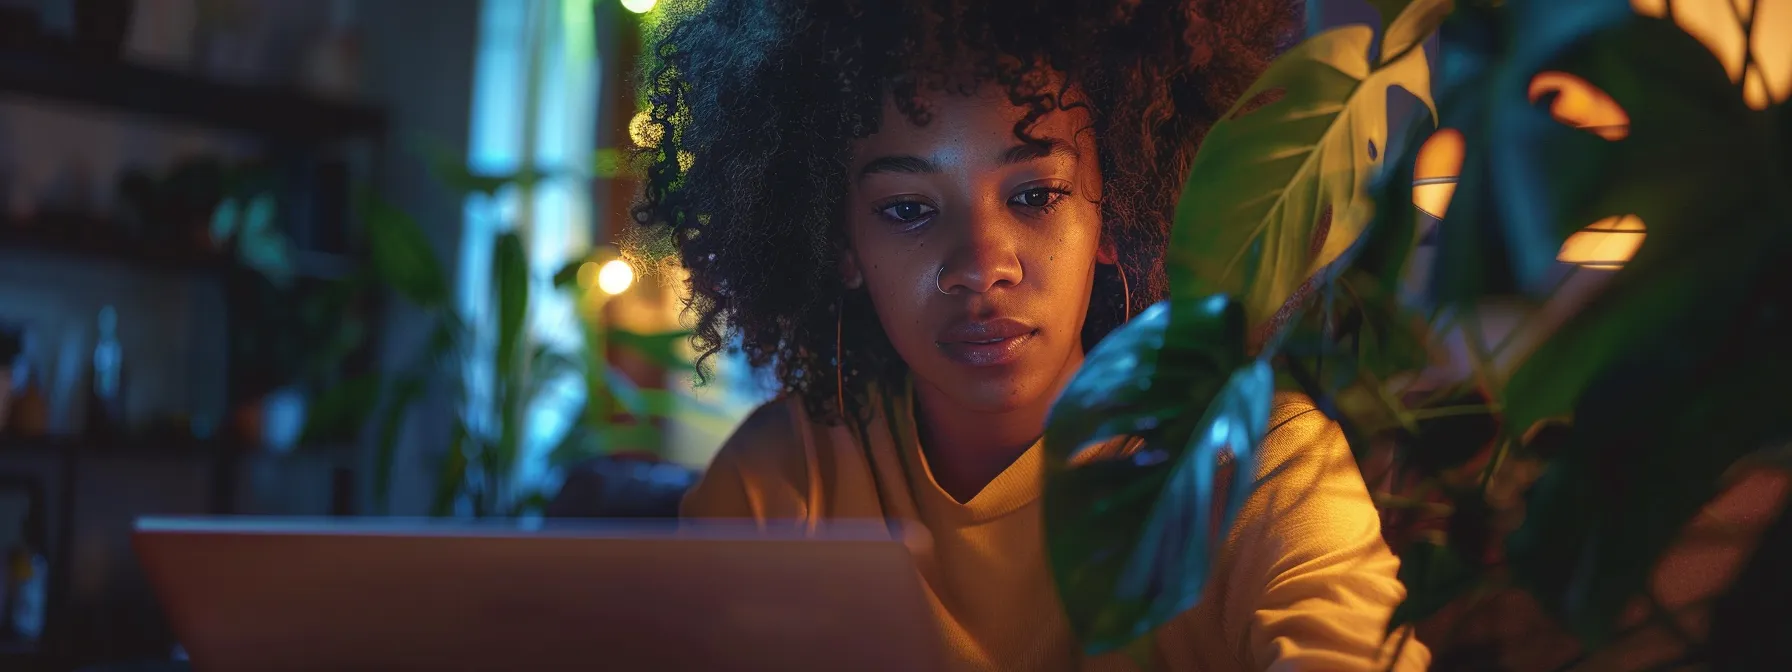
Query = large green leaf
x=1504 y=227
x=1668 y=82
x=659 y=348
x=1652 y=440
x=582 y=443
x=1131 y=539
x=341 y=411
x=449 y=167
x=452 y=479
x=401 y=255
x=1406 y=25
x=1263 y=179
x=654 y=404
x=1434 y=576
x=1673 y=373
x=404 y=392
x=1143 y=375
x=510 y=291
x=568 y=275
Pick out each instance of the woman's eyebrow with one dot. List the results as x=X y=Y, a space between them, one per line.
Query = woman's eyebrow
x=909 y=164
x=1035 y=150
x=905 y=164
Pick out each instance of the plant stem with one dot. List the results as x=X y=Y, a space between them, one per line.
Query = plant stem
x=1477 y=354
x=1525 y=322
x=1391 y=501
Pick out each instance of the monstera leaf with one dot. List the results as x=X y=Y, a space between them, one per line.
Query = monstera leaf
x=1667 y=82
x=1131 y=536
x=1673 y=373
x=1265 y=178
x=1507 y=218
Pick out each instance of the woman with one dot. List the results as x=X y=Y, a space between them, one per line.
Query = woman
x=920 y=215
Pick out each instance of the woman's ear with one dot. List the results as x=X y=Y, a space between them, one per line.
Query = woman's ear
x=849 y=270
x=1108 y=253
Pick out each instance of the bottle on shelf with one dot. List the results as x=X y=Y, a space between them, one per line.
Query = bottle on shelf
x=26 y=592
x=105 y=407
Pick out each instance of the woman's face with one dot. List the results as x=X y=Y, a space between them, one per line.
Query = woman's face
x=978 y=249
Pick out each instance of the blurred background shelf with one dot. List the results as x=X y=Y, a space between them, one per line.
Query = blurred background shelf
x=78 y=238
x=272 y=112
x=83 y=238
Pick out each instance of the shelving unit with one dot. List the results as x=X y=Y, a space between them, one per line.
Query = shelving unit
x=271 y=112
x=62 y=236
x=66 y=235
x=294 y=127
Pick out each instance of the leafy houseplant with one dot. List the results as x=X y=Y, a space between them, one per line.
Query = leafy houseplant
x=285 y=331
x=1564 y=472
x=488 y=432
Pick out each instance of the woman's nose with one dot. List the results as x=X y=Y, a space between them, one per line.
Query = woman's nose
x=985 y=255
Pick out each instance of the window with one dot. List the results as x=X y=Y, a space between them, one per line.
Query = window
x=534 y=104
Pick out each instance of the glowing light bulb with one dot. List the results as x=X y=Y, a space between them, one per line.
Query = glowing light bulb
x=615 y=277
x=638 y=6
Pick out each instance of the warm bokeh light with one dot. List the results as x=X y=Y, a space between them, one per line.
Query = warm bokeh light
x=614 y=277
x=1580 y=104
x=638 y=6
x=1606 y=244
x=1718 y=24
x=1434 y=172
x=587 y=274
x=643 y=131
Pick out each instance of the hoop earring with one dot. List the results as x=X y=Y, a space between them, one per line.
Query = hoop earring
x=840 y=356
x=1125 y=295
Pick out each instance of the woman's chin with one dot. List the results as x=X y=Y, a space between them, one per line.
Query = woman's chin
x=991 y=391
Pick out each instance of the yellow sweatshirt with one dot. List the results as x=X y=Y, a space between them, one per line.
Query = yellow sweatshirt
x=1302 y=582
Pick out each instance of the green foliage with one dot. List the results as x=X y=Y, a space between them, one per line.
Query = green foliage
x=1567 y=470
x=1503 y=229
x=1267 y=176
x=1133 y=534
x=487 y=441
x=401 y=256
x=662 y=349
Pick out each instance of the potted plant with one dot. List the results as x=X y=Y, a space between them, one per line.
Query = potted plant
x=288 y=335
x=487 y=432
x=1562 y=470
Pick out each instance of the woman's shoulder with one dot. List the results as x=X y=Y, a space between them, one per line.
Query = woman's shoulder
x=1294 y=411
x=1298 y=430
x=770 y=441
x=758 y=471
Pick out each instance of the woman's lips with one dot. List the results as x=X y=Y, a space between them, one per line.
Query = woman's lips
x=987 y=343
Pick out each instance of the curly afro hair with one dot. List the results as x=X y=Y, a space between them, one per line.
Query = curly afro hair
x=756 y=104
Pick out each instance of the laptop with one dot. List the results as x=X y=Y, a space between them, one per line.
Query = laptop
x=270 y=594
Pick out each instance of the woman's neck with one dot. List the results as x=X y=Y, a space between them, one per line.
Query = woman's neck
x=965 y=448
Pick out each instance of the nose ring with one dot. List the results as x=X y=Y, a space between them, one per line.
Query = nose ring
x=936 y=280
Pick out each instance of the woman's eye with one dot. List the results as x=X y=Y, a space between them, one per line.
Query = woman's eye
x=907 y=212
x=1037 y=197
